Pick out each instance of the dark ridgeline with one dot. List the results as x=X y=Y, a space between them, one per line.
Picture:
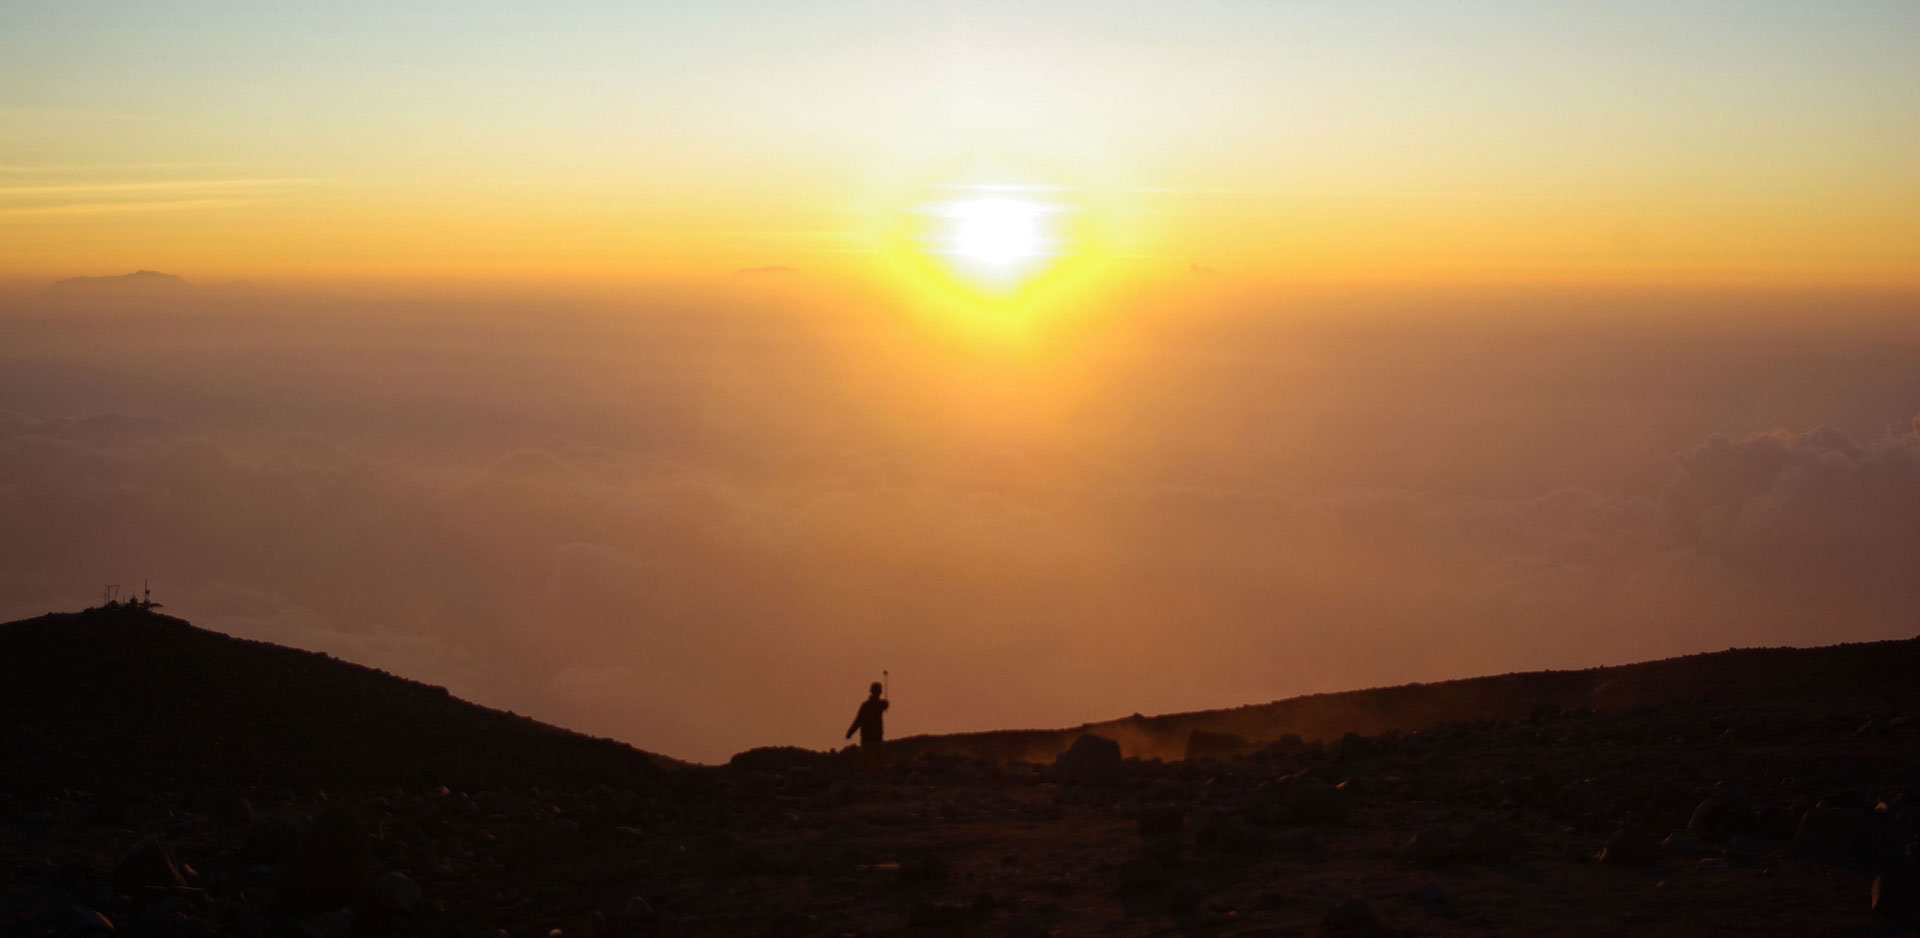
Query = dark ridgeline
x=159 y=779
x=123 y=699
x=1873 y=674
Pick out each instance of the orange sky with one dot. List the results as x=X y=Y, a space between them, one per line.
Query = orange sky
x=1611 y=143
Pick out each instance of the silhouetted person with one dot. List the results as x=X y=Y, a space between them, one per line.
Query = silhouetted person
x=872 y=729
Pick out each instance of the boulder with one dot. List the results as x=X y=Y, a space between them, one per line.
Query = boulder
x=1140 y=875
x=922 y=868
x=271 y=841
x=394 y=893
x=1161 y=820
x=1680 y=845
x=1491 y=842
x=1349 y=917
x=1430 y=848
x=328 y=869
x=226 y=806
x=335 y=924
x=1305 y=801
x=1093 y=761
x=1832 y=836
x=1896 y=895
x=82 y=923
x=1630 y=846
x=147 y=863
x=1725 y=812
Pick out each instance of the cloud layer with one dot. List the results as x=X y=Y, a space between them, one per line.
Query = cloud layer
x=706 y=523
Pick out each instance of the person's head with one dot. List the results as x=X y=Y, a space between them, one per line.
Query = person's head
x=874 y=691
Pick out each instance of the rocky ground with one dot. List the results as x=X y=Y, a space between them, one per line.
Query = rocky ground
x=1791 y=812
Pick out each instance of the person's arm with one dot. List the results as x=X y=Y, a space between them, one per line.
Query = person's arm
x=883 y=704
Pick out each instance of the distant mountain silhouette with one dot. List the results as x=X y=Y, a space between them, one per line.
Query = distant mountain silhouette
x=140 y=281
x=122 y=699
x=1744 y=676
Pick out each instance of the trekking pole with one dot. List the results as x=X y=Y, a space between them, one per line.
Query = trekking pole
x=883 y=683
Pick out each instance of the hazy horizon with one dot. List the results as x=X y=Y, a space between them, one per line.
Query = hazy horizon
x=667 y=372
x=702 y=521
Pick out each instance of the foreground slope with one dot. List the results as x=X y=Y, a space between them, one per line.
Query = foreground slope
x=166 y=781
x=123 y=699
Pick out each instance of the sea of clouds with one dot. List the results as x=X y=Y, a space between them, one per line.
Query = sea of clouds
x=702 y=520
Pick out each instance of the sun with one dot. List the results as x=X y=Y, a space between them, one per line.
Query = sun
x=996 y=230
x=995 y=238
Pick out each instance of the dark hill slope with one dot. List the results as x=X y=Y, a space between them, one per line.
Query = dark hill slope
x=1874 y=674
x=121 y=699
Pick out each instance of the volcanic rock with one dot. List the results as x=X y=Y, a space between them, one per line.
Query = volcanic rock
x=1725 y=812
x=328 y=869
x=1832 y=836
x=1491 y=842
x=1435 y=847
x=1305 y=801
x=1161 y=820
x=270 y=842
x=1140 y=875
x=922 y=868
x=1433 y=897
x=82 y=923
x=147 y=863
x=1896 y=895
x=1630 y=846
x=1351 y=916
x=1183 y=898
x=395 y=893
x=1093 y=761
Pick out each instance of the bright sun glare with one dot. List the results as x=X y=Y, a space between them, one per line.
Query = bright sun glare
x=996 y=230
x=995 y=239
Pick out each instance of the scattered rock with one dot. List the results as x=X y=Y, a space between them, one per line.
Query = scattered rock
x=335 y=924
x=929 y=914
x=1161 y=820
x=226 y=806
x=270 y=842
x=83 y=923
x=1725 y=812
x=1140 y=875
x=637 y=909
x=328 y=868
x=1430 y=848
x=1630 y=846
x=1896 y=895
x=1832 y=836
x=1183 y=898
x=922 y=868
x=1305 y=801
x=1092 y=761
x=1681 y=845
x=394 y=893
x=1491 y=842
x=72 y=872
x=147 y=863
x=1353 y=915
x=111 y=813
